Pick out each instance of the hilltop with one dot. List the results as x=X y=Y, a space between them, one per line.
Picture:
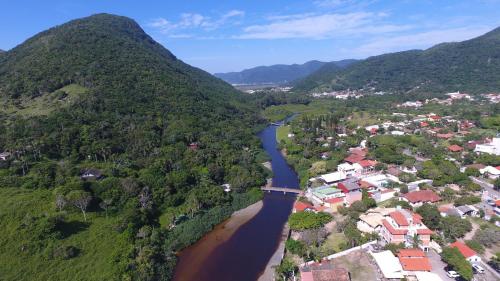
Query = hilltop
x=115 y=153
x=472 y=66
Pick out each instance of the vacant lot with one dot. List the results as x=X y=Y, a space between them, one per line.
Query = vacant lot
x=359 y=264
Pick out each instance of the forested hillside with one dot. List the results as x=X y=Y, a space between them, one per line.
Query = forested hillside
x=114 y=153
x=471 y=66
x=276 y=74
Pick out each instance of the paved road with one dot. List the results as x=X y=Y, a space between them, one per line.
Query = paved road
x=487 y=187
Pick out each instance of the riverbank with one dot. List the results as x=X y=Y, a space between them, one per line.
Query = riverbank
x=197 y=254
x=275 y=260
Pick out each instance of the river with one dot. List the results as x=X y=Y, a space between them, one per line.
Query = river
x=243 y=255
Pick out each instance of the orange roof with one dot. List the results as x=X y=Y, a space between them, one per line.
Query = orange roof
x=464 y=249
x=424 y=231
x=365 y=184
x=445 y=136
x=392 y=230
x=354 y=158
x=455 y=148
x=435 y=117
x=422 y=196
x=301 y=206
x=399 y=218
x=411 y=253
x=367 y=163
x=417 y=218
x=424 y=124
x=497 y=203
x=415 y=264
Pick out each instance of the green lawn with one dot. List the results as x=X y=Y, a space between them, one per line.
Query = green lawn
x=99 y=244
x=282 y=134
x=334 y=240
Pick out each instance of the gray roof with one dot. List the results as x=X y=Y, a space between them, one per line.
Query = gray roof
x=351 y=185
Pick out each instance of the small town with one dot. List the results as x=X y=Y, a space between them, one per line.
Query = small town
x=416 y=199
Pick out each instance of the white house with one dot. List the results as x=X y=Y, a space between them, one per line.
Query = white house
x=491 y=172
x=469 y=254
x=489 y=148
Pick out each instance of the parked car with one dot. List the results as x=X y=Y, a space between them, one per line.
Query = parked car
x=478 y=268
x=452 y=274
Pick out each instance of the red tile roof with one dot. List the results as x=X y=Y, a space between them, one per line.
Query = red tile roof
x=367 y=163
x=399 y=218
x=455 y=148
x=424 y=124
x=424 y=231
x=300 y=206
x=392 y=230
x=445 y=136
x=422 y=196
x=417 y=218
x=411 y=253
x=354 y=158
x=497 y=203
x=415 y=264
x=435 y=117
x=464 y=249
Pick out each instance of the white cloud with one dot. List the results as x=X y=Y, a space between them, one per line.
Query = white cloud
x=192 y=21
x=419 y=40
x=321 y=26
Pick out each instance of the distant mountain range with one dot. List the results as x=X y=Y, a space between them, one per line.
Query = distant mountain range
x=276 y=74
x=472 y=66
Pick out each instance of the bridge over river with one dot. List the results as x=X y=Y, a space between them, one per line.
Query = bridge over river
x=283 y=189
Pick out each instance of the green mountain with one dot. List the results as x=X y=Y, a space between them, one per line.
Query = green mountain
x=472 y=66
x=99 y=97
x=276 y=74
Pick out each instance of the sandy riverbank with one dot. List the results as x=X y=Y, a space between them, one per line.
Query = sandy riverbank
x=195 y=255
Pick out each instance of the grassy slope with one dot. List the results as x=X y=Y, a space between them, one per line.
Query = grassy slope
x=45 y=104
x=98 y=242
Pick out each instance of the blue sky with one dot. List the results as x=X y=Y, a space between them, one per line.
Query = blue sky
x=221 y=35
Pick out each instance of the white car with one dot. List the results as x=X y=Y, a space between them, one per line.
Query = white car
x=478 y=268
x=452 y=274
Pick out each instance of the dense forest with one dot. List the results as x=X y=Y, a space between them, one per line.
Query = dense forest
x=471 y=66
x=115 y=152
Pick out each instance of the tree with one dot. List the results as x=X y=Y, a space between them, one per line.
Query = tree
x=80 y=199
x=404 y=189
x=455 y=259
x=308 y=220
x=286 y=269
x=430 y=215
x=467 y=200
x=454 y=227
x=472 y=172
x=367 y=200
x=475 y=245
x=105 y=204
x=61 y=202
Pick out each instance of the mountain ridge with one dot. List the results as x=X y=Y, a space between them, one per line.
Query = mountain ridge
x=276 y=74
x=470 y=65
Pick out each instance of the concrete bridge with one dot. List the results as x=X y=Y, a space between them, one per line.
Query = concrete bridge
x=283 y=189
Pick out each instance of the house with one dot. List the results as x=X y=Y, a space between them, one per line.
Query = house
x=347 y=169
x=333 y=177
x=323 y=193
x=300 y=206
x=434 y=118
x=467 y=210
x=455 y=148
x=492 y=147
x=367 y=166
x=4 y=156
x=389 y=265
x=90 y=174
x=371 y=221
x=445 y=136
x=469 y=254
x=347 y=187
x=490 y=172
x=418 y=198
x=334 y=203
x=424 y=124
x=414 y=260
x=323 y=271
x=354 y=158
x=402 y=225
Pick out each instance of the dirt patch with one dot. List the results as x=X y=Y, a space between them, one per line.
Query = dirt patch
x=359 y=264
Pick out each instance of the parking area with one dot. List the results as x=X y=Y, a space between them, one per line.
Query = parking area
x=438 y=267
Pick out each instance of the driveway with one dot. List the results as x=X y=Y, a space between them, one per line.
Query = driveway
x=438 y=267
